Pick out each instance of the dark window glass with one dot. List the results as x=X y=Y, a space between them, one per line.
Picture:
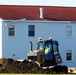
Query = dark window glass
x=31 y=30
x=11 y=30
x=69 y=55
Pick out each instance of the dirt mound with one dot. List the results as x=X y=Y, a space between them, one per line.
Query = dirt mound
x=12 y=66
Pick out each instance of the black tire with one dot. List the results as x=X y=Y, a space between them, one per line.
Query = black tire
x=64 y=69
x=60 y=69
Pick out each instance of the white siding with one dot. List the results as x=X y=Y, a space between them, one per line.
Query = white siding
x=18 y=46
x=0 y=38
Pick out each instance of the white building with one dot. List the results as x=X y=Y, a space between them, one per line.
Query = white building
x=17 y=33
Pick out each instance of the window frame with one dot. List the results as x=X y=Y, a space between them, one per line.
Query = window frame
x=31 y=30
x=69 y=55
x=11 y=30
x=69 y=31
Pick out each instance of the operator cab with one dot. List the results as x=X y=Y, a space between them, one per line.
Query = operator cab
x=46 y=51
x=51 y=51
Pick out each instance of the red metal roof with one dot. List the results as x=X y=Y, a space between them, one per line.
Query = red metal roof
x=14 y=12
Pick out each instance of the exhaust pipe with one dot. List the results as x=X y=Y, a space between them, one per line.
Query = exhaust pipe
x=31 y=46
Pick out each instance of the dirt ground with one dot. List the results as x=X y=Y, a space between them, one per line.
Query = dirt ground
x=12 y=66
x=72 y=70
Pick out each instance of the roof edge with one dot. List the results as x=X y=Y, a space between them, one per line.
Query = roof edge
x=37 y=6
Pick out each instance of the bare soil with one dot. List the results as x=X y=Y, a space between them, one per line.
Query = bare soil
x=12 y=66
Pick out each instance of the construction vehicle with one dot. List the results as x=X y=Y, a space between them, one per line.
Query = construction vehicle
x=47 y=55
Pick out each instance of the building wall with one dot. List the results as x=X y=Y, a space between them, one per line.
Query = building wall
x=18 y=46
x=0 y=38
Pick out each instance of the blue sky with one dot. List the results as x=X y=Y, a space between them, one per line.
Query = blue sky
x=71 y=3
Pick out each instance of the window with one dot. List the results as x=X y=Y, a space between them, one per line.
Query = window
x=31 y=30
x=55 y=47
x=69 y=31
x=11 y=30
x=69 y=55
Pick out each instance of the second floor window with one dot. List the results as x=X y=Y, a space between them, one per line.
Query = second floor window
x=31 y=30
x=11 y=30
x=69 y=31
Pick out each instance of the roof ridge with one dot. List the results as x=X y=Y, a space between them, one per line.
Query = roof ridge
x=38 y=6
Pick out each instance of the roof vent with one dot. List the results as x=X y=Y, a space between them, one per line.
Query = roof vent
x=41 y=13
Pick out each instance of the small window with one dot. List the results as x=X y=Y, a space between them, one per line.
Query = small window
x=11 y=30
x=69 y=31
x=31 y=30
x=55 y=47
x=69 y=55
